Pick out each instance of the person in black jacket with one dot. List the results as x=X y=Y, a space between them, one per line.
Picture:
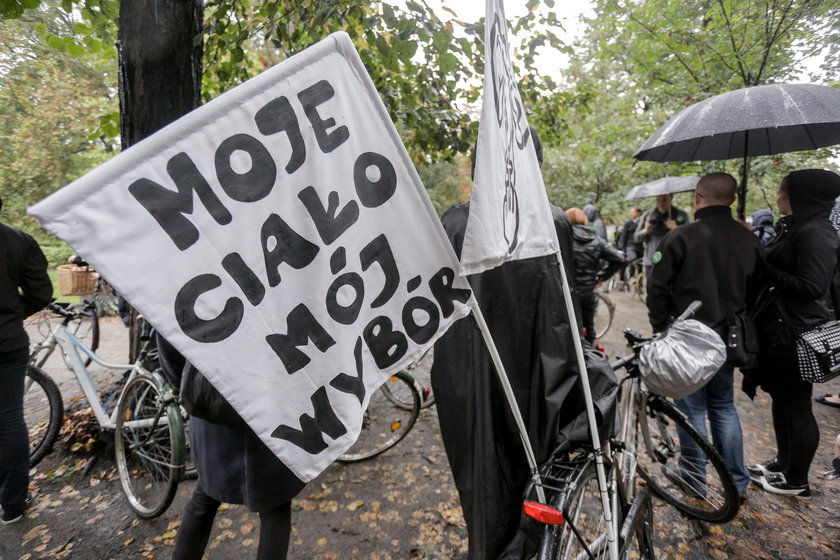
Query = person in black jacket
x=594 y=260
x=799 y=268
x=234 y=466
x=715 y=260
x=626 y=242
x=25 y=288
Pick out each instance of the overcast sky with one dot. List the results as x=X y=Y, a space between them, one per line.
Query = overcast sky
x=568 y=12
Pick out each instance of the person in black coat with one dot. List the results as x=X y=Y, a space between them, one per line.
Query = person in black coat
x=523 y=305
x=594 y=260
x=236 y=467
x=799 y=268
x=25 y=288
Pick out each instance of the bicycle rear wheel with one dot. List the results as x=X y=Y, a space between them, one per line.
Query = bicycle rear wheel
x=604 y=311
x=582 y=508
x=701 y=488
x=149 y=445
x=85 y=327
x=43 y=412
x=385 y=424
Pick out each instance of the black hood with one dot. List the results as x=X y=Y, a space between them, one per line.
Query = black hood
x=591 y=212
x=584 y=234
x=812 y=193
x=763 y=217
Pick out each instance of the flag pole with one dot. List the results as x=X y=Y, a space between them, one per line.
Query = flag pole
x=511 y=398
x=590 y=410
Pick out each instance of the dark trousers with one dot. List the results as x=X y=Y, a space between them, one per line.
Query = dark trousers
x=14 y=438
x=797 y=431
x=588 y=304
x=197 y=523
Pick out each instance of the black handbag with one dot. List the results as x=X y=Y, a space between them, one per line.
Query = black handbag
x=741 y=340
x=818 y=353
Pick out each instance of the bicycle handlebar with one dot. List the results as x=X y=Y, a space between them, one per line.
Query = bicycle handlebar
x=689 y=311
x=58 y=308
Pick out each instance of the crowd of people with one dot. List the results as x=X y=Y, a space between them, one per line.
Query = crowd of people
x=781 y=273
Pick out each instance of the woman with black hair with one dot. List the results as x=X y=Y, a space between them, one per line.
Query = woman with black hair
x=798 y=273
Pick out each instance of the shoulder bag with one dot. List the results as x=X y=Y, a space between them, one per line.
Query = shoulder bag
x=818 y=353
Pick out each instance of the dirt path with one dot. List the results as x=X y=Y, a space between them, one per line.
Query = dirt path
x=403 y=504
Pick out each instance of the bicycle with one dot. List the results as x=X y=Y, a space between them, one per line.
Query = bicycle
x=684 y=482
x=645 y=445
x=423 y=381
x=147 y=422
x=391 y=413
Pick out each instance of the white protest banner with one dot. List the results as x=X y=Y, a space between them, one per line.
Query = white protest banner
x=279 y=237
x=510 y=217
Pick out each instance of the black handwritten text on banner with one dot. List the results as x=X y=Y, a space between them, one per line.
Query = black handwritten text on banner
x=280 y=238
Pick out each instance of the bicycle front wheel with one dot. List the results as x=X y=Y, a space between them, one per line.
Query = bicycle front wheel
x=385 y=423
x=149 y=445
x=604 y=311
x=701 y=487
x=43 y=412
x=85 y=327
x=636 y=535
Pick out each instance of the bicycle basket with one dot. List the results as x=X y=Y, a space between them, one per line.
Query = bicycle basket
x=683 y=360
x=76 y=280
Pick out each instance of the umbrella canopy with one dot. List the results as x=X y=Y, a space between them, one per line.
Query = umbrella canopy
x=665 y=185
x=754 y=121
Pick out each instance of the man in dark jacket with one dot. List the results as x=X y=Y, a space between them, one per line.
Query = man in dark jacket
x=720 y=267
x=25 y=289
x=655 y=225
x=626 y=240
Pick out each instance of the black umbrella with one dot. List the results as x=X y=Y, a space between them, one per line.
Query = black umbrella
x=754 y=121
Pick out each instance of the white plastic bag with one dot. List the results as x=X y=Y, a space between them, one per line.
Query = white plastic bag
x=683 y=360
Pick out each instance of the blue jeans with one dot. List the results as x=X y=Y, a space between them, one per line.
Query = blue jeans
x=14 y=438
x=717 y=398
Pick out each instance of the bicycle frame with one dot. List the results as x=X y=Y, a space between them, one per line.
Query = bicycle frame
x=71 y=347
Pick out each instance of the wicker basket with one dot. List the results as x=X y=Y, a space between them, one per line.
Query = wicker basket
x=76 y=280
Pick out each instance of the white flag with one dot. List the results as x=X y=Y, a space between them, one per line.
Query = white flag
x=510 y=217
x=280 y=238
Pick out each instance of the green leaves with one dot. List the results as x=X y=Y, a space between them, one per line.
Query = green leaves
x=421 y=63
x=12 y=9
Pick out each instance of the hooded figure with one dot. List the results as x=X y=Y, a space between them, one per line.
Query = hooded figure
x=595 y=220
x=522 y=302
x=762 y=226
x=799 y=268
x=523 y=305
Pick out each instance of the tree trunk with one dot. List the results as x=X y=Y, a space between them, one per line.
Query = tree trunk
x=160 y=56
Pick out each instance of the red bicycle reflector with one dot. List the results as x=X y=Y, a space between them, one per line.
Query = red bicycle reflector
x=543 y=513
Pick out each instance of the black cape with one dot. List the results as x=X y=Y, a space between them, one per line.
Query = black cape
x=523 y=304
